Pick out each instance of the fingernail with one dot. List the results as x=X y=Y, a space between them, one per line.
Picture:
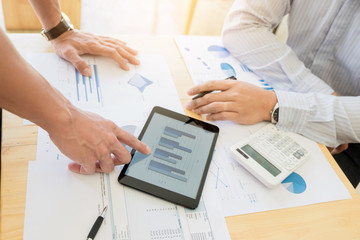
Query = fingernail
x=87 y=72
x=148 y=149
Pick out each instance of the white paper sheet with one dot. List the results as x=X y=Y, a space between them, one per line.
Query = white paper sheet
x=239 y=191
x=64 y=205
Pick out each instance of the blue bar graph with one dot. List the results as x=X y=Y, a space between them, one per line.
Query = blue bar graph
x=86 y=91
x=245 y=68
x=172 y=132
x=97 y=82
x=167 y=170
x=77 y=83
x=170 y=144
x=84 y=82
x=164 y=155
x=90 y=78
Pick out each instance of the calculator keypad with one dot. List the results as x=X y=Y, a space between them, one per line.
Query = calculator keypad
x=283 y=148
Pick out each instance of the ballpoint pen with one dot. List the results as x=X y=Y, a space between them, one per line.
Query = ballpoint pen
x=206 y=92
x=95 y=228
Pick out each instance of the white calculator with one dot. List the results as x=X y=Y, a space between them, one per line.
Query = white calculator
x=270 y=155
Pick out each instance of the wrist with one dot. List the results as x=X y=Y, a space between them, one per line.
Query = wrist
x=51 y=22
x=59 y=117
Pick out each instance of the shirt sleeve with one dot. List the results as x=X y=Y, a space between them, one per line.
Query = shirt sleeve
x=247 y=34
x=326 y=119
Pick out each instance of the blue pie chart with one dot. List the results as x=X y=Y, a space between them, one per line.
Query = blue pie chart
x=294 y=183
x=228 y=70
x=218 y=51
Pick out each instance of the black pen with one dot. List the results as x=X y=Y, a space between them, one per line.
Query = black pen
x=95 y=228
x=206 y=92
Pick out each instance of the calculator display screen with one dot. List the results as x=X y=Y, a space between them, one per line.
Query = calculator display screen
x=261 y=160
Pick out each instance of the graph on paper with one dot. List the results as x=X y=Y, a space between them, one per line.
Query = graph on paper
x=88 y=89
x=206 y=59
x=140 y=82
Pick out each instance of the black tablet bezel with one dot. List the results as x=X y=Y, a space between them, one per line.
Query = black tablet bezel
x=166 y=194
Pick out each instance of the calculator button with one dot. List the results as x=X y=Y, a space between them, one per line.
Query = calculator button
x=300 y=152
x=297 y=155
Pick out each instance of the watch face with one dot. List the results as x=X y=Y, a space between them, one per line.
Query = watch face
x=276 y=115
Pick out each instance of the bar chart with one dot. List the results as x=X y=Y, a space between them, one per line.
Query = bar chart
x=177 y=133
x=88 y=89
x=166 y=161
x=167 y=170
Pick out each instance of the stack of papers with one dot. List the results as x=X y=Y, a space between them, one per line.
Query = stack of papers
x=64 y=205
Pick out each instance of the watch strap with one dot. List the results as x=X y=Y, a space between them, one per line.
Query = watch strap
x=59 y=29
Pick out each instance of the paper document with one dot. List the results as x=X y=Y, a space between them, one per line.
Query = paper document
x=239 y=191
x=64 y=205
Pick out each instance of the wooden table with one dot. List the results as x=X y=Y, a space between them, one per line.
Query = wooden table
x=332 y=220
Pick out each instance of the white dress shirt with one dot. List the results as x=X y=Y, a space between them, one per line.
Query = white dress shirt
x=321 y=56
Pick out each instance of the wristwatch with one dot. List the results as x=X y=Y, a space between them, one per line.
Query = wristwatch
x=275 y=114
x=63 y=26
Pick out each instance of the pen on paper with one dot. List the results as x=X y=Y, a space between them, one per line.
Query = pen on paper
x=206 y=92
x=95 y=228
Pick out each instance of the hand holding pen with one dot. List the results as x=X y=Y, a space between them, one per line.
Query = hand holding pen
x=206 y=92
x=237 y=101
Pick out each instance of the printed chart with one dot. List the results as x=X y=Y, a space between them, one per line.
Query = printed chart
x=239 y=191
x=88 y=89
x=294 y=183
x=206 y=59
x=126 y=97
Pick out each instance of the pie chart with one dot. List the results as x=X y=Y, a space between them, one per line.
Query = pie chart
x=294 y=183
x=228 y=70
x=218 y=51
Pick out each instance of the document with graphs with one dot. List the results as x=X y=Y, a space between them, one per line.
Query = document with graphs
x=64 y=205
x=240 y=192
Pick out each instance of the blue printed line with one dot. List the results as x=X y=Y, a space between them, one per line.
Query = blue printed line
x=111 y=206
x=77 y=84
x=84 y=82
x=97 y=82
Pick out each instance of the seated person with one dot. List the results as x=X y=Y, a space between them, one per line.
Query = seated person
x=315 y=74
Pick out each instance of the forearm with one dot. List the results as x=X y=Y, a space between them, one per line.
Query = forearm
x=26 y=93
x=48 y=12
x=248 y=35
x=326 y=119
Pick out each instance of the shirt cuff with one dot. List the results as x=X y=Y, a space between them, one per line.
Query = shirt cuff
x=294 y=111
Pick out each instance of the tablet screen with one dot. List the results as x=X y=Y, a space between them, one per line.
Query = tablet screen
x=180 y=157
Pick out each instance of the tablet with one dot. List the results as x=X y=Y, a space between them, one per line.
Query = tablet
x=176 y=169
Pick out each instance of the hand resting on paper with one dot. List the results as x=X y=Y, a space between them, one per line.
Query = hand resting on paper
x=70 y=45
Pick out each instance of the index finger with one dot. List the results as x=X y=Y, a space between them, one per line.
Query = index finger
x=213 y=85
x=132 y=141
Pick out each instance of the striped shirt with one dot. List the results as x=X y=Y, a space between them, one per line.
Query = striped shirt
x=321 y=56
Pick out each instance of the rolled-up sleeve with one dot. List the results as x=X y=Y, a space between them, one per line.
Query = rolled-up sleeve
x=323 y=118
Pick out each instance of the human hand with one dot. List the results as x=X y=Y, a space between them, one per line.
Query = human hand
x=71 y=44
x=94 y=143
x=237 y=101
x=338 y=149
